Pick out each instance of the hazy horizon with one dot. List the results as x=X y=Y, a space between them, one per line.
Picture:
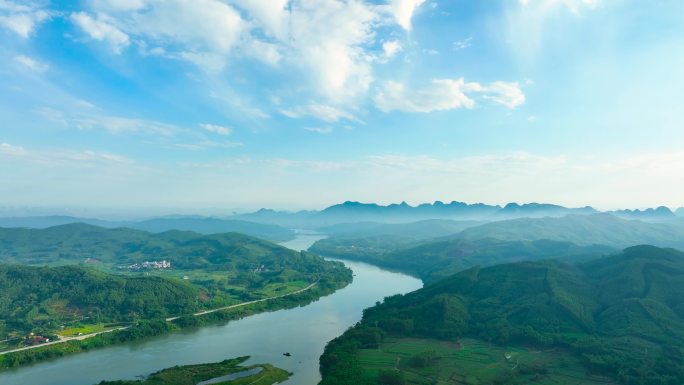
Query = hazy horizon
x=134 y=213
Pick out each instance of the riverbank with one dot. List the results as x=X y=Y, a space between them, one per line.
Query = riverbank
x=63 y=339
x=303 y=331
x=150 y=328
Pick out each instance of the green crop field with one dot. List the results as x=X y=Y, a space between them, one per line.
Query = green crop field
x=471 y=362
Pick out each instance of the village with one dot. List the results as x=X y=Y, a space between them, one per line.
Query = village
x=163 y=264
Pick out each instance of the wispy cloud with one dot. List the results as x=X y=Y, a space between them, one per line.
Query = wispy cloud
x=320 y=130
x=446 y=94
x=463 y=44
x=23 y=17
x=207 y=144
x=320 y=111
x=159 y=133
x=31 y=64
x=101 y=28
x=63 y=157
x=216 y=129
x=8 y=149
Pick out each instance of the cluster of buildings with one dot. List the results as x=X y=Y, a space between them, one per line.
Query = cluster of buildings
x=163 y=264
x=33 y=339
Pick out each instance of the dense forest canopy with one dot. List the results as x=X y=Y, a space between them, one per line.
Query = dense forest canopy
x=623 y=314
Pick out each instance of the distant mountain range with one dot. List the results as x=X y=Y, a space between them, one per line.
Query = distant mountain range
x=353 y=212
x=276 y=225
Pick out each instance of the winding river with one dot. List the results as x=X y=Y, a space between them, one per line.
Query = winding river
x=302 y=331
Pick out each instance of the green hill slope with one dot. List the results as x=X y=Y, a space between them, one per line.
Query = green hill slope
x=46 y=297
x=436 y=259
x=601 y=229
x=202 y=225
x=622 y=316
x=200 y=272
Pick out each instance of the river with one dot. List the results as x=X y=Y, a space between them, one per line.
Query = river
x=302 y=331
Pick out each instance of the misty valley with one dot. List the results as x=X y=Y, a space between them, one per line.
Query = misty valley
x=535 y=294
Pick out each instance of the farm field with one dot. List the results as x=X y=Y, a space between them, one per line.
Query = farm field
x=472 y=362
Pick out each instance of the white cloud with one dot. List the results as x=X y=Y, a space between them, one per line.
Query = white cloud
x=101 y=28
x=403 y=11
x=119 y=5
x=442 y=94
x=320 y=111
x=507 y=94
x=329 y=42
x=216 y=129
x=391 y=48
x=210 y=62
x=328 y=38
x=201 y=32
x=32 y=64
x=320 y=130
x=202 y=25
x=270 y=15
x=445 y=94
x=266 y=52
x=21 y=18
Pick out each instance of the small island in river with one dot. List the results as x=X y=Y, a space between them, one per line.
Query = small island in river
x=228 y=372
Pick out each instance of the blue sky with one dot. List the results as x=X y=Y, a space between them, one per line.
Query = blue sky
x=215 y=105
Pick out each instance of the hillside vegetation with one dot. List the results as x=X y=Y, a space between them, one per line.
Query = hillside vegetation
x=571 y=238
x=202 y=225
x=46 y=297
x=97 y=274
x=435 y=259
x=622 y=316
x=601 y=229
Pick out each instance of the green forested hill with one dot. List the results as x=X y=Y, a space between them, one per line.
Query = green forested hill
x=74 y=242
x=622 y=316
x=426 y=229
x=574 y=237
x=45 y=297
x=206 y=271
x=202 y=225
x=601 y=229
x=436 y=259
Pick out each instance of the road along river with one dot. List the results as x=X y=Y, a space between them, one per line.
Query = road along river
x=302 y=332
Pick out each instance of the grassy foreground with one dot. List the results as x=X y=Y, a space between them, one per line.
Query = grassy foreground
x=470 y=362
x=194 y=374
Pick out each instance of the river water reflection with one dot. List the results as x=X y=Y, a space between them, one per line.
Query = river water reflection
x=302 y=331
